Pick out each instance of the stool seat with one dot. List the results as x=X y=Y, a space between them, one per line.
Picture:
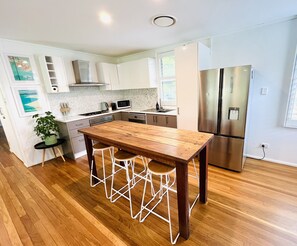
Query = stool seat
x=100 y=146
x=160 y=168
x=122 y=155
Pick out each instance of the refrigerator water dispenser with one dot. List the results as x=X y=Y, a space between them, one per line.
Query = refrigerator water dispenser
x=233 y=113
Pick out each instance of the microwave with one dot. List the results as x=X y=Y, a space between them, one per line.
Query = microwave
x=123 y=104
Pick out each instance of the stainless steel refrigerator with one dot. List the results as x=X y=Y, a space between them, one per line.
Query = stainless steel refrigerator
x=223 y=106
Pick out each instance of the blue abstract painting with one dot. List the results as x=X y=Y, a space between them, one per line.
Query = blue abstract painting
x=30 y=100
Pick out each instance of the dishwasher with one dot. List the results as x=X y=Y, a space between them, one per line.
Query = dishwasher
x=137 y=117
x=101 y=119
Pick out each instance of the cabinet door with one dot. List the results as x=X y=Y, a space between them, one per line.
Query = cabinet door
x=171 y=121
x=186 y=65
x=151 y=119
x=117 y=116
x=160 y=120
x=108 y=74
x=78 y=144
x=124 y=116
x=137 y=74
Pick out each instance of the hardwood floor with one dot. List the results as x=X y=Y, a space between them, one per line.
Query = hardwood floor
x=55 y=205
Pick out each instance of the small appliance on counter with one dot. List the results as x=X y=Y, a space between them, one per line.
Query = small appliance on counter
x=113 y=106
x=103 y=106
x=122 y=104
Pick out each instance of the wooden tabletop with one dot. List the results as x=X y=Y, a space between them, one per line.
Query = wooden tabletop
x=172 y=146
x=160 y=142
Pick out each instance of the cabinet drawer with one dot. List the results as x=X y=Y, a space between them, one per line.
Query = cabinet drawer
x=78 y=144
x=78 y=124
x=74 y=133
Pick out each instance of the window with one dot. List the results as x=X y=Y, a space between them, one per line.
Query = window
x=291 y=120
x=167 y=78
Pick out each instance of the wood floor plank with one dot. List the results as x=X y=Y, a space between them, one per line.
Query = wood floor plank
x=55 y=205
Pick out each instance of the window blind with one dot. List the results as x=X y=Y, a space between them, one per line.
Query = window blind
x=291 y=119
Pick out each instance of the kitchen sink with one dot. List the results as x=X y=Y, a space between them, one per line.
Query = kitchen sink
x=163 y=110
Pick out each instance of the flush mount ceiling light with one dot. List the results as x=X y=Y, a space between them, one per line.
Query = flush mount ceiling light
x=164 y=20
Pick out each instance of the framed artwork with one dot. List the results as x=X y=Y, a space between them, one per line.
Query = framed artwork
x=28 y=100
x=22 y=69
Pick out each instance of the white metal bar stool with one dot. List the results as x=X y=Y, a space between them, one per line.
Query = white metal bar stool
x=128 y=159
x=159 y=169
x=99 y=147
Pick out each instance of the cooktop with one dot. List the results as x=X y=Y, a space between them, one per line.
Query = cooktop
x=93 y=113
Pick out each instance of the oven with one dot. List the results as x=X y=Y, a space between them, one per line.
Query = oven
x=137 y=117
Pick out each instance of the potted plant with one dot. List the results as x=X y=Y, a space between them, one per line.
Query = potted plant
x=46 y=128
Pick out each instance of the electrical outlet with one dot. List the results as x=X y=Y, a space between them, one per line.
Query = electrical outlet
x=265 y=145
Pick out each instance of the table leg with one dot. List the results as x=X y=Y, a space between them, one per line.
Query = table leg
x=89 y=148
x=60 y=153
x=53 y=148
x=183 y=199
x=43 y=157
x=203 y=174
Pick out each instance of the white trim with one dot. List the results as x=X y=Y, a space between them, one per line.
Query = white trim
x=274 y=161
x=292 y=98
x=160 y=78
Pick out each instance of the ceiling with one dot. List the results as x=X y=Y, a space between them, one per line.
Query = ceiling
x=74 y=24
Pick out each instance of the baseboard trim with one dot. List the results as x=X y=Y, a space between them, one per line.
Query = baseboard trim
x=274 y=161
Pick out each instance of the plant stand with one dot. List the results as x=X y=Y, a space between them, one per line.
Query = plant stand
x=42 y=145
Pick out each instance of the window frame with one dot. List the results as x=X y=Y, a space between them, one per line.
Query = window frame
x=161 y=79
x=292 y=98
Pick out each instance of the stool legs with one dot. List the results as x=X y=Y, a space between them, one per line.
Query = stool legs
x=111 y=151
x=166 y=186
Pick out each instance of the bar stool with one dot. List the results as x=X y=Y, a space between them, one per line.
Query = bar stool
x=161 y=169
x=129 y=161
x=99 y=147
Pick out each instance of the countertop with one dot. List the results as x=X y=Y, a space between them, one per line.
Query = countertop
x=70 y=118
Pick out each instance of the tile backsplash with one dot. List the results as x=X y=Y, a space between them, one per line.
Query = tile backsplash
x=87 y=99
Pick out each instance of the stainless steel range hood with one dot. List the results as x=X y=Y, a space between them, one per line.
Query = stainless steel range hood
x=82 y=73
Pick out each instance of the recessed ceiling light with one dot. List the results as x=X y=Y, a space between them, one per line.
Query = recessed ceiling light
x=105 y=17
x=164 y=20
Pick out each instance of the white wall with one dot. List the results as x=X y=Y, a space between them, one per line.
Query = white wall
x=23 y=126
x=270 y=50
x=80 y=99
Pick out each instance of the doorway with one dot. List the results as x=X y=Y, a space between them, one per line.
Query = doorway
x=3 y=140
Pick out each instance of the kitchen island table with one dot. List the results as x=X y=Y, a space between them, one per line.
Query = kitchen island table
x=171 y=146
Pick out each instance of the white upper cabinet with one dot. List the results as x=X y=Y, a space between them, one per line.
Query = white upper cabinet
x=54 y=74
x=136 y=74
x=108 y=74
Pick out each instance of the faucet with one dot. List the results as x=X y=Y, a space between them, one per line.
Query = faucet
x=161 y=105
